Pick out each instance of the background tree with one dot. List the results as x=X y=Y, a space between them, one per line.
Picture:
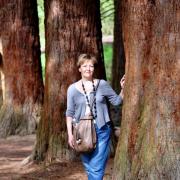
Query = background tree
x=20 y=67
x=149 y=143
x=71 y=28
x=118 y=62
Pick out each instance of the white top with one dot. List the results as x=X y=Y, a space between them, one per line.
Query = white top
x=88 y=111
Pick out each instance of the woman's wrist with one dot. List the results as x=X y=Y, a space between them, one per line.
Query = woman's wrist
x=121 y=94
x=70 y=134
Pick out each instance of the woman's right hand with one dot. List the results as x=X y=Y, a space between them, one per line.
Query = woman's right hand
x=71 y=140
x=69 y=129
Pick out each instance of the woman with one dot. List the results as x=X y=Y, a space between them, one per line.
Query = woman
x=82 y=100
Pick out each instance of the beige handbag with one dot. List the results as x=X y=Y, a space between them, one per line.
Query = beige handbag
x=84 y=134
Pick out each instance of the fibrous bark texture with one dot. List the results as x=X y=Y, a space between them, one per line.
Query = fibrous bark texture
x=72 y=27
x=20 y=67
x=149 y=144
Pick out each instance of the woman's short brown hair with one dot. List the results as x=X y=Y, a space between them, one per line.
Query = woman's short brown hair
x=86 y=57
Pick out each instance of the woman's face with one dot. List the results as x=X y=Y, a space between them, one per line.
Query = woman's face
x=87 y=70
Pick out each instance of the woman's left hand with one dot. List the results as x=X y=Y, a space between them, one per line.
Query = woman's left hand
x=122 y=81
x=122 y=86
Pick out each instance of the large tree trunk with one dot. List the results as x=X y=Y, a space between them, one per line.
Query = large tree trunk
x=72 y=27
x=149 y=143
x=20 y=67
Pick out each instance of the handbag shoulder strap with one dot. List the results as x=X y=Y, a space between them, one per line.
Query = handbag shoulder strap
x=88 y=101
x=95 y=100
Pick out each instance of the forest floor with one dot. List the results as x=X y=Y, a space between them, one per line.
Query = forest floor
x=14 y=149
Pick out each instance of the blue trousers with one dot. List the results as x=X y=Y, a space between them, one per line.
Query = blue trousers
x=95 y=162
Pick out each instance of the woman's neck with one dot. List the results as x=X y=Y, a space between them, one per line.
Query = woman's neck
x=86 y=79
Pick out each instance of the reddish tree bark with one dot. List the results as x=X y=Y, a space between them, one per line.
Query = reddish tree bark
x=22 y=83
x=72 y=27
x=149 y=143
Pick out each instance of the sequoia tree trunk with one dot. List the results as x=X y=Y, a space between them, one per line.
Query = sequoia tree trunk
x=22 y=83
x=149 y=143
x=71 y=28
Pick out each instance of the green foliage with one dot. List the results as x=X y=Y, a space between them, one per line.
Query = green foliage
x=107 y=16
x=108 y=60
x=42 y=33
x=41 y=22
x=43 y=63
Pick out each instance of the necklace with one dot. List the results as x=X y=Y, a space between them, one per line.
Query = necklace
x=88 y=101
